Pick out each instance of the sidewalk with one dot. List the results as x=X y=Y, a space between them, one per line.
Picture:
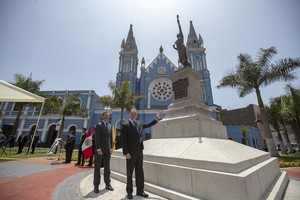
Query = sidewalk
x=34 y=178
x=39 y=178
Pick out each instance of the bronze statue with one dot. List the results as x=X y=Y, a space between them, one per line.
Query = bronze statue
x=180 y=47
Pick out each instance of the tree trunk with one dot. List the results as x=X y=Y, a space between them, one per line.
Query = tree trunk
x=244 y=141
x=289 y=146
x=17 y=120
x=266 y=126
x=267 y=131
x=282 y=147
x=296 y=131
x=61 y=128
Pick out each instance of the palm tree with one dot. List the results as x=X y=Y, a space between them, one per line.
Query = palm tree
x=28 y=84
x=71 y=105
x=291 y=110
x=275 y=118
x=250 y=75
x=120 y=98
x=244 y=130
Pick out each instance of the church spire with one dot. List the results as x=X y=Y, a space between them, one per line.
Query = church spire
x=192 y=41
x=130 y=44
x=201 y=40
x=128 y=62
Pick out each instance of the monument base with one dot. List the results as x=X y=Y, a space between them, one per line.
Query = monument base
x=206 y=168
x=189 y=119
x=190 y=157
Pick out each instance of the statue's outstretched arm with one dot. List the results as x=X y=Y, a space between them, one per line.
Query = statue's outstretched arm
x=180 y=31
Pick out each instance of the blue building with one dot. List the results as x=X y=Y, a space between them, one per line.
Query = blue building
x=253 y=136
x=154 y=83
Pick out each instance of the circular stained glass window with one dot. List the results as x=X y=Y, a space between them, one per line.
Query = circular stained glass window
x=161 y=89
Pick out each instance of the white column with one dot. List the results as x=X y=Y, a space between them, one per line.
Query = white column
x=149 y=97
x=44 y=131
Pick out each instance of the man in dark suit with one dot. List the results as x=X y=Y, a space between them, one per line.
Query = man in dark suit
x=69 y=146
x=21 y=142
x=103 y=151
x=132 y=144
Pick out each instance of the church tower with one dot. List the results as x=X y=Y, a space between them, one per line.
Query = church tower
x=128 y=62
x=197 y=58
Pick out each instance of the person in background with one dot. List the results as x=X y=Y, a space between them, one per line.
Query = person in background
x=2 y=136
x=132 y=144
x=11 y=140
x=35 y=138
x=21 y=142
x=80 y=155
x=69 y=146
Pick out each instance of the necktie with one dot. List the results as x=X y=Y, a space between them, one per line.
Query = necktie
x=135 y=125
x=106 y=126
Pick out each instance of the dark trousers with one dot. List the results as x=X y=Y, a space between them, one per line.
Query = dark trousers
x=80 y=157
x=106 y=164
x=69 y=153
x=136 y=162
x=90 y=161
x=32 y=148
x=21 y=146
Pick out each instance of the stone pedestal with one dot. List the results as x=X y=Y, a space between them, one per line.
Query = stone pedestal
x=187 y=116
x=190 y=157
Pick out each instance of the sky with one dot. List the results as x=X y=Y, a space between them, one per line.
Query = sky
x=75 y=44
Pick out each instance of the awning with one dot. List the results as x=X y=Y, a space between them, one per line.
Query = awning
x=12 y=93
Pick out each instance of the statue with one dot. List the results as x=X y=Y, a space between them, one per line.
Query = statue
x=180 y=47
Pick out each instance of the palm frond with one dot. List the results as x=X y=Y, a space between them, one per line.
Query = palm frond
x=265 y=56
x=287 y=65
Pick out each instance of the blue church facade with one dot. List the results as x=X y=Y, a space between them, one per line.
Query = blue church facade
x=154 y=83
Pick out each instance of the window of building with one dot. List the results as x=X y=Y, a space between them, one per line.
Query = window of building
x=126 y=67
x=198 y=65
x=203 y=92
x=17 y=106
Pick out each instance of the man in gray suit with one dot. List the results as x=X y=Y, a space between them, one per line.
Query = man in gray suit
x=103 y=150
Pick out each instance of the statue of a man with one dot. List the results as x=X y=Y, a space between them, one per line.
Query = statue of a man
x=180 y=47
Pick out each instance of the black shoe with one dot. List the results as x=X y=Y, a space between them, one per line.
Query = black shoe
x=109 y=188
x=129 y=196
x=143 y=194
x=96 y=189
x=77 y=163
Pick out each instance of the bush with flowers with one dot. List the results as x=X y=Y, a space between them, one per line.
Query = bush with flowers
x=290 y=160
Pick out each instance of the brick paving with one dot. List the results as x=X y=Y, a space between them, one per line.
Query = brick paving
x=33 y=178
x=43 y=179
x=293 y=173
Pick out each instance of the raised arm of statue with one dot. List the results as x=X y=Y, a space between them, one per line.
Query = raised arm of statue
x=180 y=47
x=180 y=30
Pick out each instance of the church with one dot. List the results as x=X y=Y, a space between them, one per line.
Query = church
x=153 y=82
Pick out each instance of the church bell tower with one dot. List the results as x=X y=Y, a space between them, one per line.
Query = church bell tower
x=197 y=58
x=128 y=62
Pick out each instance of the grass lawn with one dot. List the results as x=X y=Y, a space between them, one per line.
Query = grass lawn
x=290 y=160
x=39 y=152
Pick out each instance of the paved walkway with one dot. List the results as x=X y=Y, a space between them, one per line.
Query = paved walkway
x=44 y=178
